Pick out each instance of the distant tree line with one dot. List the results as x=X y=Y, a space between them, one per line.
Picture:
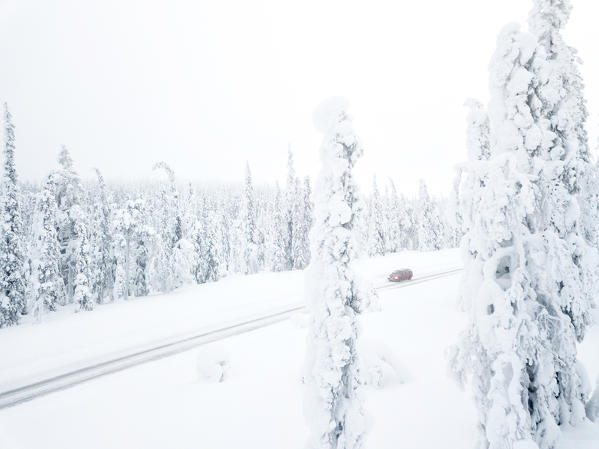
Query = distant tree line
x=68 y=241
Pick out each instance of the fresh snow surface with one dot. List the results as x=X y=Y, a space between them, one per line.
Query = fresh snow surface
x=66 y=340
x=258 y=403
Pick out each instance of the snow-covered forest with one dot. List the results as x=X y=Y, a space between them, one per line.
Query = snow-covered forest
x=70 y=241
x=165 y=312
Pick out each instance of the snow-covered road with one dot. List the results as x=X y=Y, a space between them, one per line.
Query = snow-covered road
x=156 y=350
x=67 y=342
x=259 y=404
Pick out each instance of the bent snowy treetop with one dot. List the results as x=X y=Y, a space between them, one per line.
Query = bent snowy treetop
x=328 y=112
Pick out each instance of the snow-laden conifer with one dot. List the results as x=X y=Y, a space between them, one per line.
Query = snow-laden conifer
x=333 y=404
x=12 y=257
x=522 y=285
x=291 y=211
x=469 y=181
x=131 y=240
x=567 y=179
x=249 y=250
x=277 y=234
x=50 y=290
x=428 y=221
x=68 y=200
x=172 y=248
x=206 y=247
x=82 y=294
x=306 y=224
x=376 y=237
x=105 y=265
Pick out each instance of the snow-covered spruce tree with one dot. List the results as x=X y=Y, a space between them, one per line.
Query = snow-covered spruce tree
x=128 y=226
x=259 y=235
x=468 y=179
x=12 y=258
x=199 y=235
x=568 y=179
x=50 y=290
x=82 y=294
x=395 y=213
x=143 y=237
x=451 y=226
x=172 y=251
x=560 y=88
x=106 y=266
x=291 y=197
x=206 y=244
x=497 y=291
x=427 y=220
x=376 y=239
x=226 y=221
x=306 y=220
x=277 y=233
x=521 y=281
x=300 y=243
x=213 y=256
x=333 y=403
x=249 y=262
x=68 y=199
x=477 y=136
x=410 y=224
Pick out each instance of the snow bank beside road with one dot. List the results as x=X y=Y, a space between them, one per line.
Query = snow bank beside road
x=66 y=341
x=162 y=404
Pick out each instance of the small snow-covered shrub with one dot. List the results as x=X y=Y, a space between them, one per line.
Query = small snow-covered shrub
x=213 y=365
x=380 y=367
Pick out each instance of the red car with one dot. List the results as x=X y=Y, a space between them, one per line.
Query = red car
x=404 y=274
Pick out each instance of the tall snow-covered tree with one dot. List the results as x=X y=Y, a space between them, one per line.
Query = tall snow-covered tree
x=277 y=233
x=171 y=265
x=301 y=226
x=394 y=212
x=467 y=180
x=12 y=258
x=224 y=236
x=496 y=291
x=247 y=212
x=522 y=286
x=334 y=405
x=206 y=246
x=567 y=177
x=131 y=241
x=376 y=237
x=428 y=221
x=82 y=294
x=291 y=209
x=50 y=290
x=104 y=262
x=68 y=199
x=303 y=253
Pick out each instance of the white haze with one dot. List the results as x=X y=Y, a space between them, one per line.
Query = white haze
x=207 y=85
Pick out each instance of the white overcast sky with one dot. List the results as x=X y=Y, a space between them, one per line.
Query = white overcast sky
x=207 y=84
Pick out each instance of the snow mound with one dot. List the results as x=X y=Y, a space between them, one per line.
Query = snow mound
x=592 y=407
x=380 y=367
x=213 y=364
x=328 y=112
